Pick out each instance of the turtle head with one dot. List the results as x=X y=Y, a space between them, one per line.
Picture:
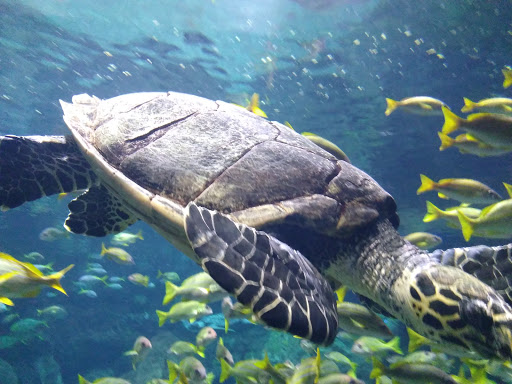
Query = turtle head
x=454 y=307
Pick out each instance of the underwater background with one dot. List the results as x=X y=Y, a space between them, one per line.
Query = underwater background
x=324 y=66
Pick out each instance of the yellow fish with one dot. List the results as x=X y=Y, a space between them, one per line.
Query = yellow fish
x=493 y=105
x=118 y=255
x=19 y=279
x=449 y=214
x=470 y=145
x=464 y=190
x=423 y=240
x=254 y=106
x=495 y=221
x=507 y=73
x=491 y=128
x=419 y=105
x=327 y=145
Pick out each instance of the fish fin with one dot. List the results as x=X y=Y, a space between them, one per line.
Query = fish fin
x=7 y=276
x=340 y=293
x=378 y=368
x=162 y=317
x=433 y=213
x=427 y=184
x=289 y=125
x=391 y=106
x=508 y=187
x=104 y=250
x=131 y=352
x=173 y=371
x=191 y=320
x=259 y=112
x=446 y=141
x=468 y=105
x=98 y=213
x=159 y=274
x=81 y=380
x=451 y=121
x=225 y=370
x=53 y=280
x=442 y=196
x=425 y=106
x=200 y=352
x=415 y=340
x=139 y=235
x=6 y=301
x=171 y=290
x=466 y=224
x=507 y=73
x=394 y=344
x=226 y=325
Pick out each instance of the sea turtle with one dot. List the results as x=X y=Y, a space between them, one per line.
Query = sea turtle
x=273 y=218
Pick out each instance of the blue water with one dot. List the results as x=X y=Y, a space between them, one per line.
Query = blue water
x=324 y=69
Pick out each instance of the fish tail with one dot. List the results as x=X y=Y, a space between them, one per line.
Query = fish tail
x=508 y=187
x=139 y=235
x=394 y=344
x=200 y=351
x=392 y=105
x=426 y=185
x=53 y=280
x=162 y=317
x=468 y=105
x=171 y=290
x=104 y=279
x=466 y=224
x=340 y=293
x=507 y=73
x=451 y=121
x=225 y=370
x=226 y=325
x=446 y=141
x=433 y=213
x=81 y=380
x=103 y=249
x=415 y=340
x=159 y=274
x=173 y=370
x=378 y=369
x=6 y=301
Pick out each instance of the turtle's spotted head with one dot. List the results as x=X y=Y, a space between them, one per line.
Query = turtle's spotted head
x=454 y=307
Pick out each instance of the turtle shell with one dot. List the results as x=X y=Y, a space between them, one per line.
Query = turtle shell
x=160 y=151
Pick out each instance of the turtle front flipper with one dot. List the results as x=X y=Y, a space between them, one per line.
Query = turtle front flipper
x=280 y=285
x=35 y=166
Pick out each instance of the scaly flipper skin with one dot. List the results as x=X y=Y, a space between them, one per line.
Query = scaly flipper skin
x=279 y=284
x=35 y=166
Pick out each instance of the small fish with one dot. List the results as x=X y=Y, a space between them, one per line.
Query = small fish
x=118 y=255
x=139 y=351
x=182 y=349
x=340 y=358
x=492 y=105
x=115 y=286
x=369 y=346
x=199 y=287
x=244 y=371
x=190 y=370
x=34 y=257
x=173 y=277
x=507 y=74
x=416 y=341
x=414 y=373
x=184 y=310
x=423 y=240
x=103 y=380
x=327 y=145
x=89 y=280
x=277 y=376
x=419 y=105
x=116 y=279
x=89 y=293
x=358 y=319
x=96 y=271
x=126 y=238
x=139 y=279
x=222 y=353
x=470 y=145
x=205 y=337
x=308 y=371
x=235 y=311
x=52 y=234
x=464 y=190
x=53 y=312
x=339 y=378
x=45 y=267
x=254 y=106
x=495 y=221
x=19 y=279
x=450 y=214
x=491 y=128
x=439 y=360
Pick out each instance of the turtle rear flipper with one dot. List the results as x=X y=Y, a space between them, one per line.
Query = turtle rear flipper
x=35 y=166
x=491 y=265
x=98 y=213
x=280 y=285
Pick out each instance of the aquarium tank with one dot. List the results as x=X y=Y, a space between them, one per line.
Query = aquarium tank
x=272 y=191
